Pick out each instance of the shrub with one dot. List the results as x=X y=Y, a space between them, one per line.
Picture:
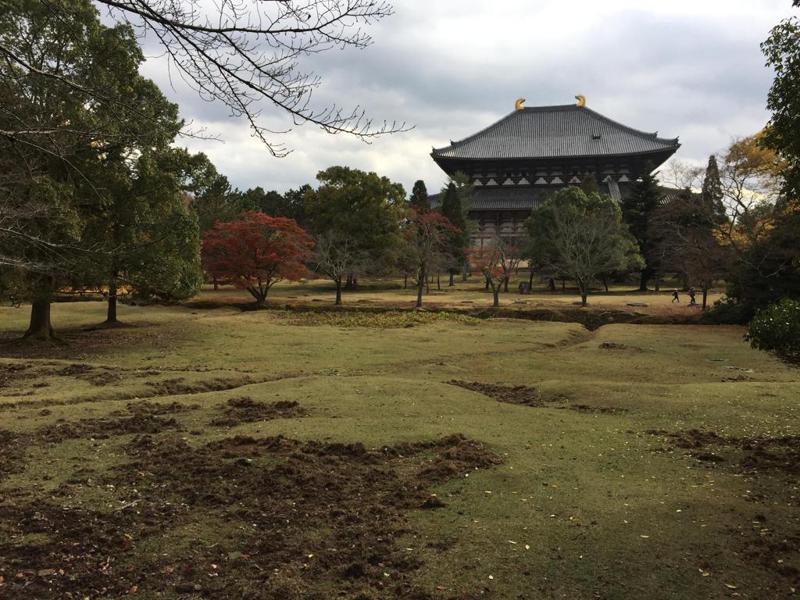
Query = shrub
x=728 y=311
x=777 y=328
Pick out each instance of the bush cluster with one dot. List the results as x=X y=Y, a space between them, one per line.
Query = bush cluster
x=777 y=328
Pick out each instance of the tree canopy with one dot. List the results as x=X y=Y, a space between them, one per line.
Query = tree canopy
x=581 y=236
x=256 y=251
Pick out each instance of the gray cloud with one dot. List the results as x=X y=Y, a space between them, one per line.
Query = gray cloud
x=689 y=69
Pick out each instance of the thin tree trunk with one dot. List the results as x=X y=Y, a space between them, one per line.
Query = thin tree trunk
x=464 y=273
x=40 y=327
x=530 y=281
x=705 y=296
x=405 y=281
x=438 y=282
x=604 y=279
x=420 y=283
x=496 y=296
x=486 y=287
x=338 y=291
x=111 y=314
x=643 y=278
x=216 y=283
x=452 y=281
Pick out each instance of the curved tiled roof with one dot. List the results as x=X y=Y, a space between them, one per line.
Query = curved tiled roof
x=555 y=132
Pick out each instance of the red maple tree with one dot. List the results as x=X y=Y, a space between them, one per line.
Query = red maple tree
x=256 y=251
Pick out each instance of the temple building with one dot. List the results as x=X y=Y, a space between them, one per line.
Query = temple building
x=517 y=162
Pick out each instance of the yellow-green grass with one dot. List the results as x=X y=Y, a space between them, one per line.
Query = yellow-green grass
x=586 y=504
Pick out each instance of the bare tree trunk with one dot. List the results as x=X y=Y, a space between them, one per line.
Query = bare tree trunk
x=427 y=285
x=465 y=272
x=420 y=283
x=643 y=278
x=216 y=283
x=438 y=283
x=338 y=291
x=405 y=281
x=452 y=280
x=486 y=287
x=40 y=327
x=705 y=295
x=496 y=296
x=505 y=284
x=530 y=282
x=111 y=314
x=604 y=279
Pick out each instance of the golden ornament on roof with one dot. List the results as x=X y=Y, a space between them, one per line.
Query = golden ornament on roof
x=519 y=104
x=581 y=101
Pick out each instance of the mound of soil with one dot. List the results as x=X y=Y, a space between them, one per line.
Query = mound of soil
x=754 y=454
x=515 y=394
x=247 y=410
x=295 y=519
x=103 y=428
x=11 y=453
x=143 y=407
x=178 y=385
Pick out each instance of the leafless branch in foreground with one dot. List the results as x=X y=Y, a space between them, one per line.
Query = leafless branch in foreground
x=246 y=54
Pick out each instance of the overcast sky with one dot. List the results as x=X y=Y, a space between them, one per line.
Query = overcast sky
x=687 y=68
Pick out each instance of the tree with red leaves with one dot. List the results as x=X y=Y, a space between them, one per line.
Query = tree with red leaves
x=256 y=251
x=427 y=238
x=497 y=261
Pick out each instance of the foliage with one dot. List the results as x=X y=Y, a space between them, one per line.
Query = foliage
x=289 y=205
x=426 y=237
x=638 y=208
x=687 y=240
x=70 y=160
x=497 y=260
x=459 y=239
x=359 y=209
x=782 y=51
x=336 y=256
x=769 y=269
x=777 y=328
x=419 y=200
x=581 y=236
x=256 y=251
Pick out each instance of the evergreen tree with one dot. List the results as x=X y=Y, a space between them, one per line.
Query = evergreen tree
x=782 y=50
x=637 y=210
x=419 y=200
x=711 y=193
x=459 y=237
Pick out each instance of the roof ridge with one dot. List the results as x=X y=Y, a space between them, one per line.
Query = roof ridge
x=639 y=132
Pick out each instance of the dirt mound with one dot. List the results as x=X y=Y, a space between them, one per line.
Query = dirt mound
x=304 y=520
x=102 y=428
x=178 y=385
x=516 y=394
x=144 y=407
x=529 y=396
x=747 y=454
x=247 y=410
x=11 y=453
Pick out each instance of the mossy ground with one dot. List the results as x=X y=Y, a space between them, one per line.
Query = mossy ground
x=594 y=497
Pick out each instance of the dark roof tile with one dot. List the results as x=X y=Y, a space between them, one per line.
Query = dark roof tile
x=555 y=132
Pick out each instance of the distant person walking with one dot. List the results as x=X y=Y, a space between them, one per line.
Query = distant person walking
x=675 y=296
x=692 y=293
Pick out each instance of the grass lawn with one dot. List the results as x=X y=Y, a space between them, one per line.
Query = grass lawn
x=215 y=453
